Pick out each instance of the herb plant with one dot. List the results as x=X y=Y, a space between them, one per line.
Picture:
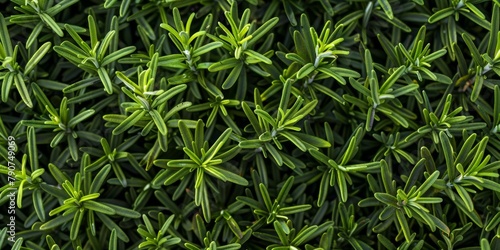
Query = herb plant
x=250 y=124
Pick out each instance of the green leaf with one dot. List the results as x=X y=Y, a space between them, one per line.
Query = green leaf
x=233 y=76
x=474 y=52
x=113 y=244
x=440 y=224
x=329 y=92
x=98 y=207
x=106 y=81
x=221 y=141
x=80 y=117
x=388 y=48
x=224 y=64
x=492 y=185
x=313 y=140
x=54 y=191
x=285 y=189
x=441 y=14
x=387 y=213
x=37 y=56
x=129 y=122
x=274 y=153
x=129 y=83
x=476 y=19
x=205 y=203
x=206 y=48
x=448 y=154
x=257 y=56
x=158 y=120
x=342 y=184
x=112 y=57
x=496 y=106
x=23 y=90
x=392 y=79
x=323 y=190
x=386 y=6
x=111 y=225
x=51 y=23
x=77 y=222
x=385 y=242
x=5 y=37
x=266 y=117
x=404 y=225
x=295 y=140
x=256 y=143
x=492 y=224
x=38 y=204
x=386 y=198
x=92 y=31
x=295 y=209
x=252 y=118
x=295 y=57
x=352 y=147
x=428 y=182
x=59 y=220
x=394 y=21
x=262 y=30
x=265 y=196
x=469 y=204
x=305 y=70
x=167 y=95
x=7 y=82
x=58 y=174
x=485 y=245
x=281 y=233
x=122 y=211
x=374 y=91
x=319 y=156
x=226 y=175
x=478 y=84
x=405 y=90
x=359 y=87
x=99 y=179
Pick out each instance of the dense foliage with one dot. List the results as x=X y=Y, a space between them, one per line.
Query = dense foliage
x=250 y=124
